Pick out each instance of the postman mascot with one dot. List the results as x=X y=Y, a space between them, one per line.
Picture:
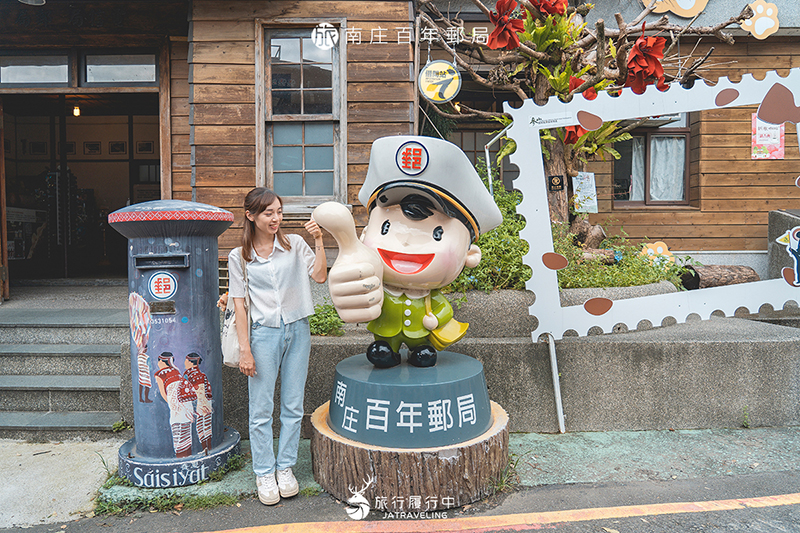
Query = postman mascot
x=427 y=206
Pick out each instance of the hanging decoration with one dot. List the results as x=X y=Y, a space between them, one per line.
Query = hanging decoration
x=439 y=81
x=764 y=22
x=644 y=63
x=682 y=8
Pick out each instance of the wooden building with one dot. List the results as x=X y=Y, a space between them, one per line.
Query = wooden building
x=197 y=101
x=729 y=195
x=206 y=99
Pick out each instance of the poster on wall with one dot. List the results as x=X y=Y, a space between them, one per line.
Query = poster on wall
x=767 y=140
x=585 y=192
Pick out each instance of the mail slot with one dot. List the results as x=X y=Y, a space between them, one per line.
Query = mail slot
x=144 y=262
x=176 y=363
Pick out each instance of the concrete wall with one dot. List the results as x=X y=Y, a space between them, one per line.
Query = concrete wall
x=696 y=375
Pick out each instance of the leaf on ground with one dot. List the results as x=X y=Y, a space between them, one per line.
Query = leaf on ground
x=609 y=530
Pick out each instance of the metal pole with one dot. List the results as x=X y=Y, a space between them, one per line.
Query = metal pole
x=556 y=383
x=486 y=151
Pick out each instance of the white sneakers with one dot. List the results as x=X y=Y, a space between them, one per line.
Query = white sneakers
x=287 y=484
x=270 y=492
x=267 y=489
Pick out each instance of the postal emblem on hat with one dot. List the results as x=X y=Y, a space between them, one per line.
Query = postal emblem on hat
x=412 y=158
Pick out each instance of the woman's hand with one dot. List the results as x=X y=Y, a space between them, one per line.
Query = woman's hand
x=314 y=230
x=247 y=365
x=222 y=303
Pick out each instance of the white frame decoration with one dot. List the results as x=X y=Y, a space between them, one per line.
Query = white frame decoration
x=530 y=118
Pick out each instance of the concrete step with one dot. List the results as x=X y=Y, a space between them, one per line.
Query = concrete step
x=57 y=425
x=64 y=326
x=63 y=359
x=59 y=393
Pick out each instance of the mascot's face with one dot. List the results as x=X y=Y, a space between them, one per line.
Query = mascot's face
x=419 y=254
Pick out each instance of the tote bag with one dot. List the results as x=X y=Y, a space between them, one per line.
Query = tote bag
x=230 y=338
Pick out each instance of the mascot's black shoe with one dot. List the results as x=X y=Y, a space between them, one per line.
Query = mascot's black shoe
x=422 y=356
x=381 y=355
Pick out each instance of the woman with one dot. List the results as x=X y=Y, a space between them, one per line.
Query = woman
x=204 y=409
x=179 y=395
x=278 y=267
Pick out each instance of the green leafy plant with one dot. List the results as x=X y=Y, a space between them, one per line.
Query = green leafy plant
x=309 y=492
x=745 y=417
x=325 y=321
x=631 y=269
x=122 y=425
x=502 y=249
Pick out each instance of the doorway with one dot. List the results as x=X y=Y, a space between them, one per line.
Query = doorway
x=107 y=145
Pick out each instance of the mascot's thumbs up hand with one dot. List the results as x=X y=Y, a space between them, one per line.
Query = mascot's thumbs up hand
x=355 y=279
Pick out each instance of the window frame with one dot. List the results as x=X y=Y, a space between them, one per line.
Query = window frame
x=301 y=205
x=82 y=65
x=76 y=66
x=648 y=134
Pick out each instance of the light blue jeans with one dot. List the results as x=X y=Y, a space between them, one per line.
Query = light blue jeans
x=285 y=349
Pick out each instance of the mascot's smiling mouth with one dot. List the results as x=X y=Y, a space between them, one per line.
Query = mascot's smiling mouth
x=405 y=263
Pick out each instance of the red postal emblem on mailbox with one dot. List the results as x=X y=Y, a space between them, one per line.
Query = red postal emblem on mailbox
x=412 y=158
x=163 y=285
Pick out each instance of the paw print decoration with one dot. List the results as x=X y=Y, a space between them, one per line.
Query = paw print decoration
x=765 y=20
x=682 y=8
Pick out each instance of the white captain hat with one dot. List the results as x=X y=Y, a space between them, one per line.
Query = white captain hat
x=409 y=164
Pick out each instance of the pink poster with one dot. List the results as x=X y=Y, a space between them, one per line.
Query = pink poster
x=767 y=140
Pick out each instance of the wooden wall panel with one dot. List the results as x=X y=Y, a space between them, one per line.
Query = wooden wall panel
x=731 y=193
x=221 y=58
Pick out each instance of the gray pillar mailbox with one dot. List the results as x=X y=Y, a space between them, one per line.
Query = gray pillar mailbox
x=176 y=361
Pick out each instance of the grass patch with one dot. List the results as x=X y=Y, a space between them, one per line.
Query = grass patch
x=308 y=492
x=235 y=462
x=508 y=479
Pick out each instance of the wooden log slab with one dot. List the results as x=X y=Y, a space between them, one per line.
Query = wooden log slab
x=396 y=478
x=701 y=277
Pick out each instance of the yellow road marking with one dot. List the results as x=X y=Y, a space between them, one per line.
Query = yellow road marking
x=525 y=520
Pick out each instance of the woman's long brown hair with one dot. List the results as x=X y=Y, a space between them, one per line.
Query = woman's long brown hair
x=256 y=202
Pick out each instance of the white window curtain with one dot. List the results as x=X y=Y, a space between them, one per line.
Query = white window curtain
x=667 y=168
x=637 y=170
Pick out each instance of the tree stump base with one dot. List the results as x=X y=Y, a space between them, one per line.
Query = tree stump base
x=408 y=479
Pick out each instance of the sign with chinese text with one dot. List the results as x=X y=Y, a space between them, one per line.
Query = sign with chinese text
x=410 y=407
x=585 y=191
x=767 y=140
x=439 y=81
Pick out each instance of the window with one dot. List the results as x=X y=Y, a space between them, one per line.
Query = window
x=120 y=69
x=654 y=167
x=101 y=69
x=473 y=144
x=35 y=70
x=302 y=108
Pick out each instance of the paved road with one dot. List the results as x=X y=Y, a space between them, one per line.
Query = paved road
x=758 y=502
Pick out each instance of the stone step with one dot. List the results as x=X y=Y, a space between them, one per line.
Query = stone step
x=59 y=393
x=64 y=359
x=57 y=425
x=64 y=326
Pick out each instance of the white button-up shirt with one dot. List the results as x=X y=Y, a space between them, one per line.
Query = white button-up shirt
x=279 y=284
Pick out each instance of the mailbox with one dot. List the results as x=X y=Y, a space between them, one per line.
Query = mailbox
x=176 y=361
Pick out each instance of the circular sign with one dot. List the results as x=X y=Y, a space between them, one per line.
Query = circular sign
x=325 y=36
x=411 y=158
x=163 y=285
x=439 y=81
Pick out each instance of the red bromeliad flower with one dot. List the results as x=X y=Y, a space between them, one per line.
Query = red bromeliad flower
x=505 y=31
x=550 y=7
x=644 y=63
x=574 y=83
